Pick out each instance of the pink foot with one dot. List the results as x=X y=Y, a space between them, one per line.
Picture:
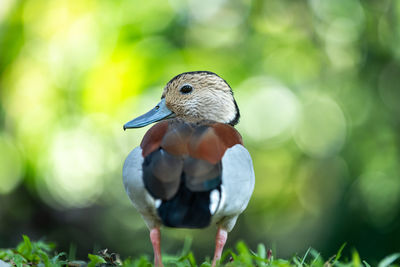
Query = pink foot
x=155 y=237
x=220 y=241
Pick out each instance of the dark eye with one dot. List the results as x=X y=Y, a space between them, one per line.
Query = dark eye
x=186 y=89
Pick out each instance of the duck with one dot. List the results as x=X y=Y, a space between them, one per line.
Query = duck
x=191 y=169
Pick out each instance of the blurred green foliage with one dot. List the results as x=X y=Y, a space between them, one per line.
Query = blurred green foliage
x=39 y=254
x=317 y=83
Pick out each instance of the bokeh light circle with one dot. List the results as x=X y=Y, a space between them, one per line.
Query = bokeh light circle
x=321 y=130
x=75 y=164
x=268 y=109
x=330 y=10
x=380 y=194
x=342 y=31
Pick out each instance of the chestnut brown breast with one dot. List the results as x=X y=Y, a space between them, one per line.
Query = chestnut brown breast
x=206 y=140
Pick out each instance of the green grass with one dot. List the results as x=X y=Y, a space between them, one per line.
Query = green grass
x=40 y=253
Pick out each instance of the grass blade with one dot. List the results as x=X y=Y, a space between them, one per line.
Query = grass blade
x=339 y=253
x=261 y=253
x=389 y=260
x=305 y=256
x=186 y=245
x=366 y=264
x=356 y=259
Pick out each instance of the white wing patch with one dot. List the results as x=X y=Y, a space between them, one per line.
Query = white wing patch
x=214 y=201
x=157 y=203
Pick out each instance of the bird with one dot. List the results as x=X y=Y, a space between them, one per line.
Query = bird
x=191 y=169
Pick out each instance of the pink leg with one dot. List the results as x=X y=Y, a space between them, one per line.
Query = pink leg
x=155 y=237
x=220 y=241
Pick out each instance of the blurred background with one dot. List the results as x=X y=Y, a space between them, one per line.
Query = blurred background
x=317 y=83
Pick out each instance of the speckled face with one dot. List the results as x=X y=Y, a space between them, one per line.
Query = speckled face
x=196 y=96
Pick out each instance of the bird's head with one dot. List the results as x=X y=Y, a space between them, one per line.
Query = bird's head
x=193 y=96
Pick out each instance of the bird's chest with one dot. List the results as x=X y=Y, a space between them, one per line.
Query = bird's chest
x=182 y=173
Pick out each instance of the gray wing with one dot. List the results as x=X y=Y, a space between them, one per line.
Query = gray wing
x=237 y=186
x=133 y=182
